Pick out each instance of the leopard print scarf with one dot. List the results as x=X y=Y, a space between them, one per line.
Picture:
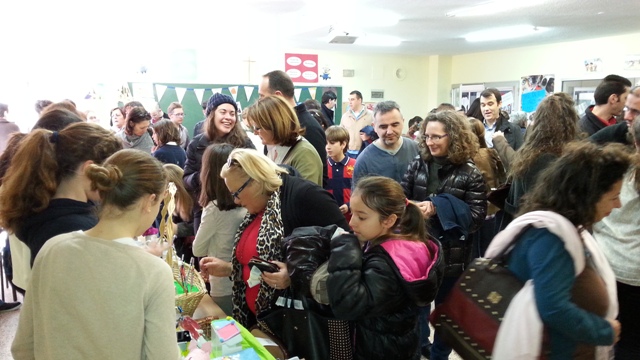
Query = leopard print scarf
x=269 y=243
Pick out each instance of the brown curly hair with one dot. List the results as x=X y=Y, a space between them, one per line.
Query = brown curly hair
x=463 y=144
x=573 y=184
x=555 y=124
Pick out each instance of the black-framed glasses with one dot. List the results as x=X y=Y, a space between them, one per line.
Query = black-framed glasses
x=237 y=193
x=434 y=138
x=635 y=112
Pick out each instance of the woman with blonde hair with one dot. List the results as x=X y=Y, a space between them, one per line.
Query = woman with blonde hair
x=273 y=119
x=276 y=203
x=103 y=268
x=443 y=177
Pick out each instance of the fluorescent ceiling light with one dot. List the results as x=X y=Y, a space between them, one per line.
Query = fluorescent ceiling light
x=492 y=7
x=503 y=33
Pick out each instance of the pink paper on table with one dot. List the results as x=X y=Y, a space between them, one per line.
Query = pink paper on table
x=228 y=331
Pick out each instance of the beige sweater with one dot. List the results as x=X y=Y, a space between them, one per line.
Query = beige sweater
x=96 y=299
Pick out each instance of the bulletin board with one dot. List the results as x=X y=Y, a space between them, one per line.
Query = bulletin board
x=190 y=96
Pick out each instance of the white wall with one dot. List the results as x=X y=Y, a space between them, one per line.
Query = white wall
x=372 y=72
x=564 y=60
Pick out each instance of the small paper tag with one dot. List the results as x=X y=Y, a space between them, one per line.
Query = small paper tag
x=280 y=301
x=297 y=304
x=255 y=277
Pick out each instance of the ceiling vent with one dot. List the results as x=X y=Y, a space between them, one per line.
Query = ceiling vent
x=340 y=36
x=343 y=39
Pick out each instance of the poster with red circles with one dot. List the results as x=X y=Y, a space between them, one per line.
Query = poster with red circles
x=302 y=68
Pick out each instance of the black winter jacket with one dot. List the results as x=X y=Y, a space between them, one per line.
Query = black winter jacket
x=462 y=181
x=370 y=289
x=512 y=132
x=466 y=183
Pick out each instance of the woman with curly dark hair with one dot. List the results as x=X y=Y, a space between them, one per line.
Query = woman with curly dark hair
x=447 y=186
x=570 y=288
x=220 y=126
x=555 y=124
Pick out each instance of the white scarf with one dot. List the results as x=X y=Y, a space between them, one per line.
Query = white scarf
x=520 y=333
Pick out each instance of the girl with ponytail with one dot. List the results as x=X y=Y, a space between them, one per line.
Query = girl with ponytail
x=381 y=275
x=96 y=293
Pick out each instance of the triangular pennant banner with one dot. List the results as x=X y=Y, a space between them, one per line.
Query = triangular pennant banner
x=312 y=91
x=199 y=94
x=234 y=92
x=248 y=90
x=160 y=89
x=297 y=92
x=180 y=92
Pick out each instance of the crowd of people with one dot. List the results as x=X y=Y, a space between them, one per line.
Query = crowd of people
x=411 y=201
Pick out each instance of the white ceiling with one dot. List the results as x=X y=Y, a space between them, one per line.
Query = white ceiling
x=240 y=24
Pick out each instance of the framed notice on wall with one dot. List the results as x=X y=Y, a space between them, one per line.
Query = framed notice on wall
x=302 y=68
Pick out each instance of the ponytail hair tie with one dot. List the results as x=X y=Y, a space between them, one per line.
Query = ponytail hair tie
x=54 y=137
x=406 y=202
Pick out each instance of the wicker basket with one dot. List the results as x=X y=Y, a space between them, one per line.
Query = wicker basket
x=205 y=325
x=189 y=301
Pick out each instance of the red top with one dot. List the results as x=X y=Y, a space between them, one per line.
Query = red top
x=246 y=249
x=611 y=121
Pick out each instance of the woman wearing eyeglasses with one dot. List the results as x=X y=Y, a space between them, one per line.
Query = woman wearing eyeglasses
x=273 y=119
x=447 y=186
x=276 y=203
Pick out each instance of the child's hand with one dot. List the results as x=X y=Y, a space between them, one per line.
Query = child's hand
x=216 y=267
x=344 y=208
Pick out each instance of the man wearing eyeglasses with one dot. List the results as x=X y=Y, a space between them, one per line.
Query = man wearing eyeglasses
x=176 y=115
x=610 y=97
x=620 y=132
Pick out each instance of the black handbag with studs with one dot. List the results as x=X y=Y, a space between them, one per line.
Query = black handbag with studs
x=469 y=318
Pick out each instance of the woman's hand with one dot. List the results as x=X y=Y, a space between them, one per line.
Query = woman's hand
x=427 y=208
x=344 y=208
x=617 y=328
x=280 y=279
x=497 y=134
x=215 y=267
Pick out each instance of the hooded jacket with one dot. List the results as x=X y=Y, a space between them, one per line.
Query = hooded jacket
x=380 y=289
x=60 y=217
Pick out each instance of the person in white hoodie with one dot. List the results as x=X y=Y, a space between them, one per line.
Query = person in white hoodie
x=618 y=236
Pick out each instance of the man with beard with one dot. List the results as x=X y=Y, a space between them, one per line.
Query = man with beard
x=620 y=132
x=391 y=154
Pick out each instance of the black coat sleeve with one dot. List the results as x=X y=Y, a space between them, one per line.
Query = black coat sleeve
x=358 y=287
x=476 y=197
x=192 y=167
x=409 y=179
